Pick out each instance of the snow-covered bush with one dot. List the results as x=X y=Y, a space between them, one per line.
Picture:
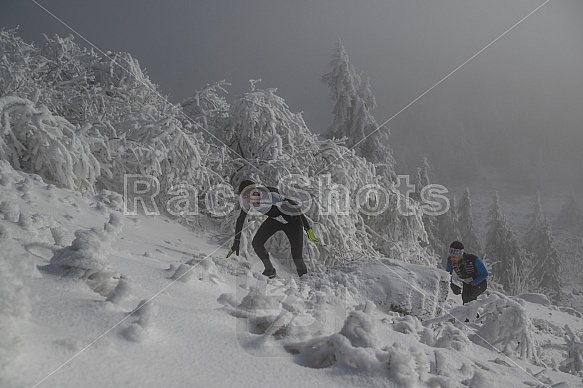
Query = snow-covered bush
x=67 y=84
x=275 y=148
x=20 y=65
x=206 y=107
x=36 y=141
x=450 y=337
x=506 y=326
x=83 y=120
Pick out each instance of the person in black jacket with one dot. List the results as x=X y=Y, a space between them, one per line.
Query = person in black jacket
x=283 y=214
x=469 y=269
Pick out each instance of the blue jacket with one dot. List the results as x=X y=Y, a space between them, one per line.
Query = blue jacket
x=470 y=266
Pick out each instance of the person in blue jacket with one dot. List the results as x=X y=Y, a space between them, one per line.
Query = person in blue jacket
x=282 y=213
x=469 y=269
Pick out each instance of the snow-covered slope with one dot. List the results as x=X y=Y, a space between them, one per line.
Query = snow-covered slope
x=92 y=298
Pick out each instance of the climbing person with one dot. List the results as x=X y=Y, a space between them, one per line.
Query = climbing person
x=282 y=214
x=469 y=269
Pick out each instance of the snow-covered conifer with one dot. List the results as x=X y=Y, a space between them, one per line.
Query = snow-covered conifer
x=546 y=268
x=534 y=221
x=570 y=214
x=542 y=249
x=353 y=103
x=466 y=224
x=430 y=222
x=504 y=251
x=449 y=225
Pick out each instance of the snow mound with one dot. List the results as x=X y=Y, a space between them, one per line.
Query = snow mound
x=86 y=257
x=535 y=298
x=201 y=267
x=354 y=346
x=574 y=362
x=395 y=286
x=141 y=327
x=285 y=310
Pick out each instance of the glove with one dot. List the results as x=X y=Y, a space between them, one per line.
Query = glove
x=311 y=236
x=455 y=288
x=234 y=249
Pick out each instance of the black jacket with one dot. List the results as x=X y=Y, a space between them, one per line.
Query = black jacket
x=288 y=210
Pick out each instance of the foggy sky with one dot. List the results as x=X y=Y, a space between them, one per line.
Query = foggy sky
x=529 y=80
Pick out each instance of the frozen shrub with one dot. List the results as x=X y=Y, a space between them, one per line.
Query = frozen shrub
x=36 y=141
x=506 y=326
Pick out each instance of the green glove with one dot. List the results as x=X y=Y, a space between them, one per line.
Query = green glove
x=311 y=236
x=234 y=249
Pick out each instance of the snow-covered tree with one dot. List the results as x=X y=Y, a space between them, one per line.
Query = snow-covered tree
x=449 y=225
x=84 y=121
x=421 y=179
x=430 y=222
x=275 y=144
x=546 y=269
x=503 y=250
x=541 y=246
x=570 y=214
x=466 y=224
x=572 y=257
x=353 y=103
x=36 y=141
x=21 y=65
x=206 y=107
x=534 y=221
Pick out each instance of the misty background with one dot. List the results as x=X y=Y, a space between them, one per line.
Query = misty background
x=512 y=114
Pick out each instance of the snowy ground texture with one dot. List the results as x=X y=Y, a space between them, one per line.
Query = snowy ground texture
x=92 y=298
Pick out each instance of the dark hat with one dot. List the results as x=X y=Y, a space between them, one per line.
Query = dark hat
x=456 y=245
x=244 y=184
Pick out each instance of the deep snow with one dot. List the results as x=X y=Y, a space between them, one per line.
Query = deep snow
x=93 y=298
